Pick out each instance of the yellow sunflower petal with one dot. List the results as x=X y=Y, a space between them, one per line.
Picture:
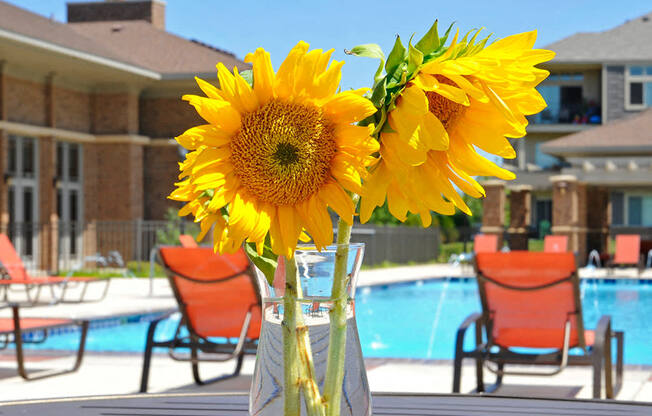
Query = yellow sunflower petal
x=263 y=75
x=348 y=107
x=219 y=113
x=284 y=86
x=333 y=195
x=210 y=90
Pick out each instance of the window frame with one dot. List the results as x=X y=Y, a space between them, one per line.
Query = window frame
x=629 y=79
x=627 y=195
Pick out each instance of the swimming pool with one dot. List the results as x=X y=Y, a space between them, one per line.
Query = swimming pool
x=417 y=319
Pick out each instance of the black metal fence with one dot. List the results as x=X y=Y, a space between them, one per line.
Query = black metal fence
x=61 y=247
x=397 y=244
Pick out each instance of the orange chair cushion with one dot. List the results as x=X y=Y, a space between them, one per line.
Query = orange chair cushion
x=530 y=318
x=538 y=338
x=7 y=324
x=555 y=244
x=628 y=249
x=215 y=307
x=485 y=243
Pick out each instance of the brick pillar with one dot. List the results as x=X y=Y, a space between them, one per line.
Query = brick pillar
x=3 y=77
x=493 y=209
x=91 y=191
x=47 y=194
x=569 y=213
x=4 y=189
x=49 y=100
x=119 y=197
x=520 y=207
x=598 y=218
x=4 y=213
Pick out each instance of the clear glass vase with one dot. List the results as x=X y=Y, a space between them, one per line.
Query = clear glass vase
x=315 y=271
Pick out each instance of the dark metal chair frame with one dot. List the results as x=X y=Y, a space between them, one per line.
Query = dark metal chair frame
x=195 y=342
x=62 y=283
x=486 y=351
x=16 y=336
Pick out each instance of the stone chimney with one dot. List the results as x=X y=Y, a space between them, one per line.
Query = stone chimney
x=152 y=11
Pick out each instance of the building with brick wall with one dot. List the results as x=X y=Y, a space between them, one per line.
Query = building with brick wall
x=88 y=112
x=585 y=166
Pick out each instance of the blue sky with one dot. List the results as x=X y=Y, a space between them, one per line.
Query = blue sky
x=241 y=26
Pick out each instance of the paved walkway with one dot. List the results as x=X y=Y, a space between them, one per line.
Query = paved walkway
x=120 y=373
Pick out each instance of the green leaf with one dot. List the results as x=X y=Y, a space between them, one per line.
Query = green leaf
x=399 y=76
x=430 y=41
x=396 y=57
x=415 y=58
x=208 y=193
x=379 y=93
x=248 y=76
x=479 y=46
x=266 y=263
x=443 y=39
x=367 y=121
x=370 y=50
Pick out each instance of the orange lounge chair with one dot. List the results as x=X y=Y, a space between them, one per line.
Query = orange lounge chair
x=14 y=273
x=187 y=241
x=219 y=303
x=485 y=243
x=532 y=300
x=555 y=244
x=12 y=330
x=628 y=251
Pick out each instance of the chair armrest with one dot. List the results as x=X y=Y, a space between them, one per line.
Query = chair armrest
x=603 y=330
x=474 y=318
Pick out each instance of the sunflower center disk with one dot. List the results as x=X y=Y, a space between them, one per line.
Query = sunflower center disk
x=447 y=111
x=283 y=151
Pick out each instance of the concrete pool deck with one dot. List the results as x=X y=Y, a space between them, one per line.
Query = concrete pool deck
x=119 y=373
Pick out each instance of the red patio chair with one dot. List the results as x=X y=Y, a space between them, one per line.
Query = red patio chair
x=532 y=300
x=628 y=251
x=219 y=304
x=485 y=243
x=14 y=273
x=555 y=244
x=12 y=330
x=187 y=241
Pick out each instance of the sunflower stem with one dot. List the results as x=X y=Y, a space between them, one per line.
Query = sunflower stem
x=292 y=384
x=304 y=379
x=337 y=336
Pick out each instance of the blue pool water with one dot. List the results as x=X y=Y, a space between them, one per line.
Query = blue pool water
x=419 y=320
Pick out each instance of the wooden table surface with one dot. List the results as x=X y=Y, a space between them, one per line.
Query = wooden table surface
x=201 y=404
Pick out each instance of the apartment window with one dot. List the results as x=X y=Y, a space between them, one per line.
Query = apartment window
x=566 y=104
x=69 y=201
x=638 y=88
x=22 y=161
x=631 y=208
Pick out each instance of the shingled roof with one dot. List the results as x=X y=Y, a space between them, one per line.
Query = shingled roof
x=631 y=135
x=155 y=49
x=136 y=43
x=627 y=42
x=22 y=22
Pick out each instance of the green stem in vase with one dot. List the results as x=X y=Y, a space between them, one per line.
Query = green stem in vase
x=292 y=384
x=303 y=380
x=337 y=335
x=314 y=404
x=310 y=389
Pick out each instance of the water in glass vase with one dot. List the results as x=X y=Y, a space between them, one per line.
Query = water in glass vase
x=267 y=385
x=315 y=287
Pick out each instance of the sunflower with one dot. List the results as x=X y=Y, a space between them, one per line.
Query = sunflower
x=275 y=156
x=458 y=99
